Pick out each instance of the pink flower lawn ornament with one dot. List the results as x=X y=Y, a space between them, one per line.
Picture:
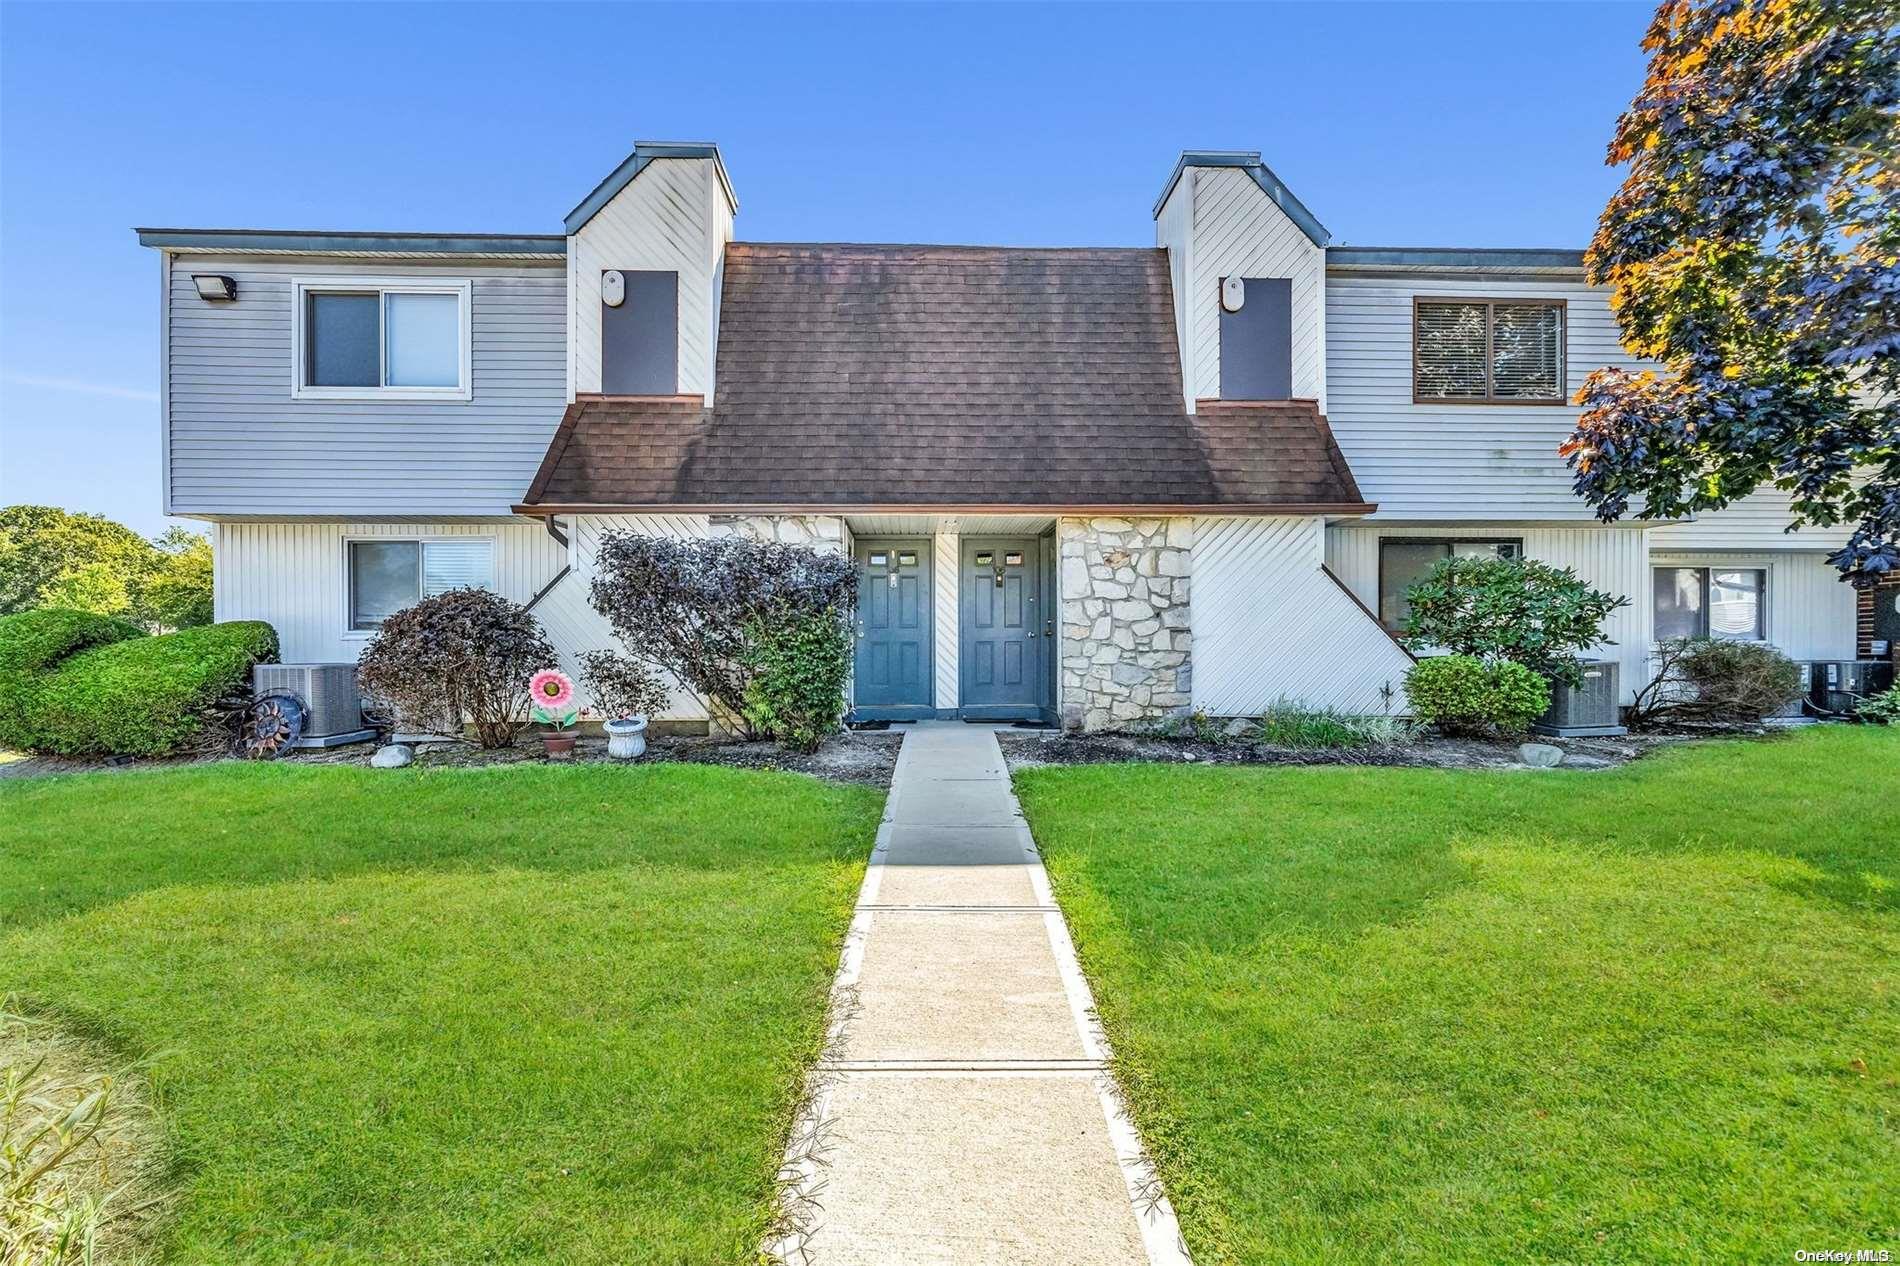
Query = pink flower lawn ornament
x=552 y=692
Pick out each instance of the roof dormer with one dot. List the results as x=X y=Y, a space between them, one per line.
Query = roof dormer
x=1248 y=265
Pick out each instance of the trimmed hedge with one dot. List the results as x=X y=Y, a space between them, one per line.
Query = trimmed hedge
x=1466 y=695
x=88 y=685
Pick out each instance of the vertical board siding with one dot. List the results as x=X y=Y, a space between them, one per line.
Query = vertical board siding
x=1238 y=231
x=1453 y=461
x=672 y=217
x=1271 y=625
x=238 y=444
x=1615 y=560
x=1811 y=612
x=292 y=575
x=567 y=612
x=946 y=576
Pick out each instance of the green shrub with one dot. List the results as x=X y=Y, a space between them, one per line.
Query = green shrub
x=1881 y=709
x=1462 y=694
x=1519 y=609
x=797 y=664
x=83 y=685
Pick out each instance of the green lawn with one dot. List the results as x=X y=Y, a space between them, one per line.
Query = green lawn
x=1644 y=1015
x=521 y=1014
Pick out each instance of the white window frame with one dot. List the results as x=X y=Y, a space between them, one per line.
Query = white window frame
x=1707 y=569
x=462 y=289
x=423 y=539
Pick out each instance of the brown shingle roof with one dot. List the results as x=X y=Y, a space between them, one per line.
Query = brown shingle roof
x=859 y=377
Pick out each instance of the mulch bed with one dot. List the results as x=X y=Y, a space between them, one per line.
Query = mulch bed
x=1027 y=750
x=862 y=759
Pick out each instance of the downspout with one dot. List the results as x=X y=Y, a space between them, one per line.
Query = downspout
x=554 y=530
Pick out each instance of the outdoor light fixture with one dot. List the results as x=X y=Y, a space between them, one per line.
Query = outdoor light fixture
x=214 y=287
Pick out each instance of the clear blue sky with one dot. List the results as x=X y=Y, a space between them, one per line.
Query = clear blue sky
x=1413 y=124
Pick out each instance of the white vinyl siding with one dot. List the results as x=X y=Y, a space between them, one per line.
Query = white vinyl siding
x=238 y=444
x=1450 y=459
x=1269 y=624
x=672 y=217
x=294 y=576
x=1227 y=226
x=1758 y=521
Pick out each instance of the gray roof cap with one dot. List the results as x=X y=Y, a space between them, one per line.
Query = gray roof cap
x=1248 y=160
x=644 y=153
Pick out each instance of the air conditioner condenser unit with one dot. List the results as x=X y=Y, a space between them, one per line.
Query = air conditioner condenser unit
x=328 y=708
x=1586 y=711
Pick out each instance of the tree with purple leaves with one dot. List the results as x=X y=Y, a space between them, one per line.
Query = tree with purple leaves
x=1754 y=253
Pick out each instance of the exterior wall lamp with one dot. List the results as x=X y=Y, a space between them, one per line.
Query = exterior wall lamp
x=214 y=287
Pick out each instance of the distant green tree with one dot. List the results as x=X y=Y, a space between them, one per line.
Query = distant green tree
x=178 y=595
x=1753 y=252
x=57 y=558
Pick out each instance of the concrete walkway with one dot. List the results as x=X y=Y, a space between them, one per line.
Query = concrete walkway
x=962 y=1113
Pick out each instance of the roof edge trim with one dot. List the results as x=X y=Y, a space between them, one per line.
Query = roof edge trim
x=320 y=242
x=1249 y=161
x=1452 y=257
x=1150 y=508
x=644 y=153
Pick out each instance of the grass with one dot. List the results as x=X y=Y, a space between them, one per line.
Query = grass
x=519 y=1014
x=1427 y=1015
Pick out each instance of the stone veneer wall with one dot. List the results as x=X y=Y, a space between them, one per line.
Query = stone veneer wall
x=1126 y=631
x=820 y=531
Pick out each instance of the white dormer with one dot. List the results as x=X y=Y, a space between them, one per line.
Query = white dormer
x=1224 y=215
x=645 y=257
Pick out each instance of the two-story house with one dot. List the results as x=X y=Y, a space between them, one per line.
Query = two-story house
x=1094 y=484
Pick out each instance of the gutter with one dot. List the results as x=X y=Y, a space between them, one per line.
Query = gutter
x=1299 y=508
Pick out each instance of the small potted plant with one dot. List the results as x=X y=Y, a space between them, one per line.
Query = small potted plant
x=553 y=695
x=627 y=693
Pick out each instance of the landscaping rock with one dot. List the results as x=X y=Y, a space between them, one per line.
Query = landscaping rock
x=1577 y=760
x=1540 y=755
x=394 y=756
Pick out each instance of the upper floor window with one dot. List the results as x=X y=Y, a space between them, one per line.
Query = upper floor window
x=385 y=574
x=1406 y=560
x=1727 y=603
x=1488 y=351
x=360 y=338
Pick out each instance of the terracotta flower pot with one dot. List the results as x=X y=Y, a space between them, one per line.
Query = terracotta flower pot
x=559 y=744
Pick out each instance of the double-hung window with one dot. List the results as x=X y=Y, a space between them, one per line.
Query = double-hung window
x=358 y=338
x=1487 y=351
x=385 y=575
x=1404 y=561
x=1728 y=603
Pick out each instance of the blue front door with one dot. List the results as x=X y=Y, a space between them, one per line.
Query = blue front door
x=1001 y=628
x=892 y=672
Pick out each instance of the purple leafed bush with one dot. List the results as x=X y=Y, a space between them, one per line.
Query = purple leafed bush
x=462 y=655
x=699 y=609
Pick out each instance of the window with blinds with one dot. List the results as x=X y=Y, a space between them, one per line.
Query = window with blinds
x=388 y=575
x=1491 y=350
